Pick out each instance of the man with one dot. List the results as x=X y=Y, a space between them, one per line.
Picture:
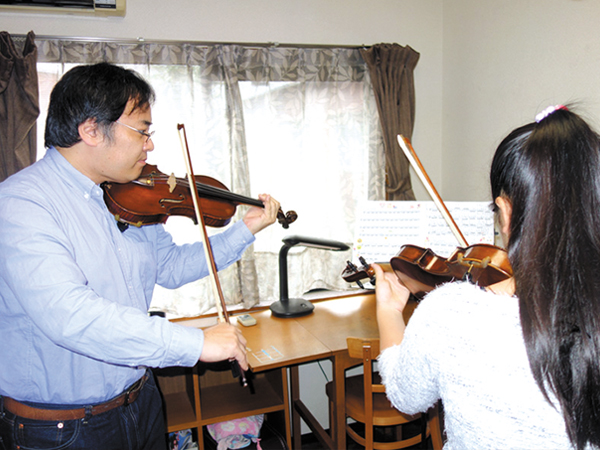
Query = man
x=75 y=289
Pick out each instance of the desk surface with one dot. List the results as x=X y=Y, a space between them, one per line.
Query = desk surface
x=277 y=342
x=334 y=320
x=314 y=336
x=317 y=335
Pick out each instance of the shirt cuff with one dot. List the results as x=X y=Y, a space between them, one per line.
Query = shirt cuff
x=239 y=235
x=186 y=346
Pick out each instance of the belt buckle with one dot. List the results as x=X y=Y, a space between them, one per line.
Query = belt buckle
x=134 y=387
x=128 y=393
x=126 y=402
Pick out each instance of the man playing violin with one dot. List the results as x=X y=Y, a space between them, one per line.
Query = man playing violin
x=75 y=289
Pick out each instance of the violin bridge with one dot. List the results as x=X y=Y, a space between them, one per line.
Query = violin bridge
x=172 y=182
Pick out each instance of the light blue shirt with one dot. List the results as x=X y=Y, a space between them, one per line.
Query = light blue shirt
x=75 y=291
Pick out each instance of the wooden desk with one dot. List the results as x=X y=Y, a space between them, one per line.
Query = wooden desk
x=274 y=342
x=331 y=323
x=278 y=342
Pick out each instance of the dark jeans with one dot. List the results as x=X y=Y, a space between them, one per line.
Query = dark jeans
x=138 y=426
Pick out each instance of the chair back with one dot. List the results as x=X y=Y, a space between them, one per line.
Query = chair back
x=368 y=349
x=357 y=347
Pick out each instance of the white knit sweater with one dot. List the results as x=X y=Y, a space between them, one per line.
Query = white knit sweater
x=465 y=346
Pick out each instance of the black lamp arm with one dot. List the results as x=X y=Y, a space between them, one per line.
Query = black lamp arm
x=287 y=307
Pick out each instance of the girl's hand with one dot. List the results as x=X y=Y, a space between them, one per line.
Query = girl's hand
x=390 y=292
x=392 y=297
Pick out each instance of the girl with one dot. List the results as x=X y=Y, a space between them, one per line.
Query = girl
x=517 y=364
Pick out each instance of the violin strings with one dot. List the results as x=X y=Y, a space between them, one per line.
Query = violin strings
x=216 y=192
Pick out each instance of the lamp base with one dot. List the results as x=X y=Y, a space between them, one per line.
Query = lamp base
x=293 y=307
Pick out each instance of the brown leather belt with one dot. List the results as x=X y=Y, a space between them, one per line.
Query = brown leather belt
x=30 y=412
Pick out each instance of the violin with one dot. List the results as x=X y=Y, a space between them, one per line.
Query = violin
x=421 y=270
x=155 y=196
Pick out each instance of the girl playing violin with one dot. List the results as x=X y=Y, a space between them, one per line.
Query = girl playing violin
x=517 y=364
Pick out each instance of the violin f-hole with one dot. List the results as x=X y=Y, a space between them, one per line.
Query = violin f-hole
x=171 y=200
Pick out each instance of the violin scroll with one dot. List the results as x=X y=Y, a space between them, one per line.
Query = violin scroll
x=286 y=219
x=352 y=273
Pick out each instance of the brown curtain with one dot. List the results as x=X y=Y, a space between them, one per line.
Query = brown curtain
x=391 y=67
x=19 y=104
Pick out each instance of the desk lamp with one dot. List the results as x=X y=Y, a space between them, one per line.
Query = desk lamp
x=294 y=307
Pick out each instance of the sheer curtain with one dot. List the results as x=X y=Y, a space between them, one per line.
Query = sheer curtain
x=298 y=123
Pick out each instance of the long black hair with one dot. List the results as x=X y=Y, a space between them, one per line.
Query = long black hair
x=98 y=91
x=550 y=173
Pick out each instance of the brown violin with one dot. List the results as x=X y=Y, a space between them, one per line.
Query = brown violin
x=155 y=196
x=421 y=270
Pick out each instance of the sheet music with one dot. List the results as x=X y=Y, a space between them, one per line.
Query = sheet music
x=383 y=227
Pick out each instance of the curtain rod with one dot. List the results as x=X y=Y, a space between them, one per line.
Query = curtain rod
x=141 y=40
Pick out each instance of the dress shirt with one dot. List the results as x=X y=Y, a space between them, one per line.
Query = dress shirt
x=75 y=290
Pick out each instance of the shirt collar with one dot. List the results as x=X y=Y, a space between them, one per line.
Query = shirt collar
x=71 y=175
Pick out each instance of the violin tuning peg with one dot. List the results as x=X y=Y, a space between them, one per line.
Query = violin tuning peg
x=351 y=266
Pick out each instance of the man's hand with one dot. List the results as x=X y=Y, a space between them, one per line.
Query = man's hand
x=224 y=341
x=258 y=218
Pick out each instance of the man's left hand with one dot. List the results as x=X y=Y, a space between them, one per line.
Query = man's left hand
x=258 y=218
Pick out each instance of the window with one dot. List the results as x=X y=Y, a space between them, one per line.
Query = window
x=299 y=124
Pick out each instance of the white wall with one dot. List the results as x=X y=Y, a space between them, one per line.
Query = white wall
x=504 y=61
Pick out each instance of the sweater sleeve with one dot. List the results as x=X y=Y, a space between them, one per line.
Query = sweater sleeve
x=408 y=371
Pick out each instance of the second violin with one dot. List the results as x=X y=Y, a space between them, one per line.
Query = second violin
x=421 y=270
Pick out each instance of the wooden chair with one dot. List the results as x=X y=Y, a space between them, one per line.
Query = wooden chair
x=367 y=403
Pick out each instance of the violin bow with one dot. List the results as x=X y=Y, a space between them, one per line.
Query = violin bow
x=412 y=157
x=223 y=315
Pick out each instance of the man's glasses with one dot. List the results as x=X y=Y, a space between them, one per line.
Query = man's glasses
x=143 y=133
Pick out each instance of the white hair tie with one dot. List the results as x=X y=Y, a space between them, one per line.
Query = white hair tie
x=549 y=110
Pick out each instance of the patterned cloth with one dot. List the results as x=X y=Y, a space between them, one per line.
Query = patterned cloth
x=237 y=433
